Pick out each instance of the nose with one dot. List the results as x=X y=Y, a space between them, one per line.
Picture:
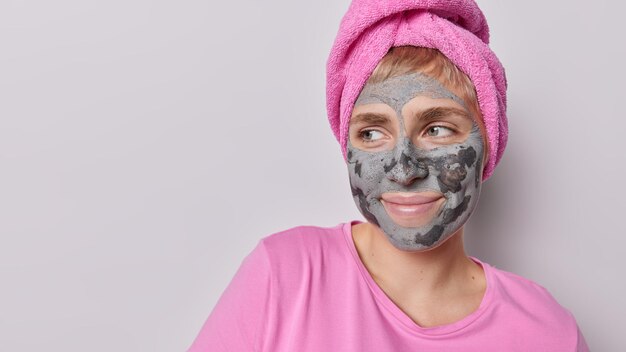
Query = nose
x=404 y=170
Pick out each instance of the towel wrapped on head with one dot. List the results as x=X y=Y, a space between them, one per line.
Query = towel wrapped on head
x=457 y=28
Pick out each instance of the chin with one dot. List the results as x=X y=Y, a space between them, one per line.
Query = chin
x=414 y=247
x=418 y=239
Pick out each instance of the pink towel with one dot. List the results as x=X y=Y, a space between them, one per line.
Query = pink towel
x=457 y=28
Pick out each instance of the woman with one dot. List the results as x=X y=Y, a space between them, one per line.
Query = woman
x=417 y=101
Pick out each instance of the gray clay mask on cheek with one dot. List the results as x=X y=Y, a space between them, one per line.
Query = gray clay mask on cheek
x=453 y=170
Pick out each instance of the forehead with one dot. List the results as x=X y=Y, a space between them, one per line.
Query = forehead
x=397 y=91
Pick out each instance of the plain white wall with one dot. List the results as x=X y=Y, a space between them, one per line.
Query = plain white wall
x=146 y=146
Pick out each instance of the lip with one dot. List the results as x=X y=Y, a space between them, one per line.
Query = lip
x=411 y=209
x=411 y=198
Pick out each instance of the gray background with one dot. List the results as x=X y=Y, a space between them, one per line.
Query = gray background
x=146 y=146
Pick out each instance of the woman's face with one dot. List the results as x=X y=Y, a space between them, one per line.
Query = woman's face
x=415 y=160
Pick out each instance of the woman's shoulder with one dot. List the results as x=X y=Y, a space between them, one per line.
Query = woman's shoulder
x=303 y=235
x=517 y=285
x=305 y=244
x=529 y=297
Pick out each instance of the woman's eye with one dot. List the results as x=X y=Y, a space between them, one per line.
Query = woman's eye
x=439 y=131
x=371 y=136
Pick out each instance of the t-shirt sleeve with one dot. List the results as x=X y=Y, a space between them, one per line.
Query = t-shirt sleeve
x=235 y=324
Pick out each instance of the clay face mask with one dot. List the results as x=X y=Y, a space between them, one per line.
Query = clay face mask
x=450 y=170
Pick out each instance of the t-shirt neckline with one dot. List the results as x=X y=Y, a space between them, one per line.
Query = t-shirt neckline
x=394 y=310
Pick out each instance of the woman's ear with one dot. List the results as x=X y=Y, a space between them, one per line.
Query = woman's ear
x=485 y=160
x=485 y=157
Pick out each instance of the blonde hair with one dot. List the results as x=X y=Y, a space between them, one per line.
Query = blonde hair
x=431 y=62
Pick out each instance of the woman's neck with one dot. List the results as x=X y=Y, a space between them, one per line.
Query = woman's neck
x=444 y=270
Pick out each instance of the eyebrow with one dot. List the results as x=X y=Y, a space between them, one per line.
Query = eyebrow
x=439 y=112
x=370 y=118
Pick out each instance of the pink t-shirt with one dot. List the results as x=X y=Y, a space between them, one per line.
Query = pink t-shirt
x=306 y=289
